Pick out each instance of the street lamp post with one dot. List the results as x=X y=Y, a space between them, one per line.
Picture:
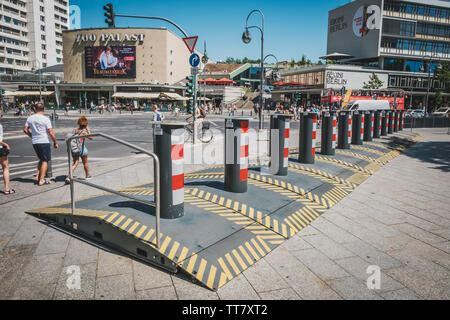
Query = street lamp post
x=246 y=38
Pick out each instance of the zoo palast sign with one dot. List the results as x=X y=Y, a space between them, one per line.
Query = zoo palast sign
x=117 y=37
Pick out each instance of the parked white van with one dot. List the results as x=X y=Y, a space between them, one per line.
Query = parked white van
x=368 y=105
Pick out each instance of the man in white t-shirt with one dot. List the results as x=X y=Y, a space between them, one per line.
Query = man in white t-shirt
x=38 y=127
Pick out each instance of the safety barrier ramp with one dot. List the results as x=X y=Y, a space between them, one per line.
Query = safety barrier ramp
x=224 y=219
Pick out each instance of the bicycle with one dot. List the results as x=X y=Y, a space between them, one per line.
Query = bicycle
x=204 y=132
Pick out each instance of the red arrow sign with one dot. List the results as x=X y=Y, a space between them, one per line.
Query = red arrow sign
x=190 y=43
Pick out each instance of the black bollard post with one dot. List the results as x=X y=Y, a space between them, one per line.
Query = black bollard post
x=357 y=128
x=307 y=145
x=345 y=129
x=236 y=154
x=384 y=123
x=395 y=120
x=401 y=120
x=368 y=125
x=169 y=147
x=328 y=141
x=279 y=144
x=390 y=121
x=377 y=124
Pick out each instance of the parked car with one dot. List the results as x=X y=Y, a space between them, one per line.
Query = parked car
x=441 y=112
x=417 y=113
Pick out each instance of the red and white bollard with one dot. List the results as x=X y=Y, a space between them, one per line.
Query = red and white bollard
x=279 y=144
x=169 y=147
x=314 y=135
x=236 y=154
x=350 y=128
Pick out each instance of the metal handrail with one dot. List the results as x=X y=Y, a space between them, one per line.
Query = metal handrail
x=156 y=166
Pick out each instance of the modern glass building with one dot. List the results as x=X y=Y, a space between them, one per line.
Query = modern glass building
x=406 y=35
x=414 y=33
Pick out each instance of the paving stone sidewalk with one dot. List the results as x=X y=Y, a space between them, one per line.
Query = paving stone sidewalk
x=397 y=220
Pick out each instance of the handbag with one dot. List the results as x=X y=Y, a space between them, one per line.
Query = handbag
x=3 y=151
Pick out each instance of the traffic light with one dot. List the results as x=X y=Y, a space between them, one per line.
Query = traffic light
x=109 y=14
x=190 y=86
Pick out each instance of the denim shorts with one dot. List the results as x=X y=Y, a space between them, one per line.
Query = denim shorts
x=43 y=151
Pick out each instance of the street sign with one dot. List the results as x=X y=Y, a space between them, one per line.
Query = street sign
x=194 y=60
x=194 y=71
x=190 y=43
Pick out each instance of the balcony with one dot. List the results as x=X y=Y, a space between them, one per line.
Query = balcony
x=412 y=53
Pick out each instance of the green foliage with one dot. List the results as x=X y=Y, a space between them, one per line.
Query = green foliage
x=231 y=60
x=374 y=82
x=439 y=99
x=443 y=75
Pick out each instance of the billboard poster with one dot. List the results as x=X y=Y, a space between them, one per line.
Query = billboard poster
x=110 y=62
x=355 y=29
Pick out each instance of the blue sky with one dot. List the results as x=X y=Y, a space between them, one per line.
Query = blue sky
x=292 y=27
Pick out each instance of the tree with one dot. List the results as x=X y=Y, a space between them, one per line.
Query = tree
x=439 y=98
x=374 y=82
x=443 y=75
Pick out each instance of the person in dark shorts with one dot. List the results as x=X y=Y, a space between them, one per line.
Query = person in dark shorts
x=4 y=151
x=38 y=127
x=82 y=130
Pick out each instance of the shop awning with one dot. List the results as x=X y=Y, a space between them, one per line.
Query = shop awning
x=28 y=93
x=136 y=95
x=173 y=96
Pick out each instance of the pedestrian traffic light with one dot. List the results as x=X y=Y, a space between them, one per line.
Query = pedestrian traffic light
x=109 y=14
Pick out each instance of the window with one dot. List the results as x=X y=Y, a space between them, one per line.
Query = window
x=42 y=18
x=7 y=19
x=43 y=46
x=42 y=28
x=58 y=59
x=42 y=37
x=44 y=56
x=41 y=8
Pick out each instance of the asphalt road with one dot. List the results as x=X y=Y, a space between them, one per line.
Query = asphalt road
x=133 y=129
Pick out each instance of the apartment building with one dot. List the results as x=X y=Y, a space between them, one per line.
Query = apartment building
x=31 y=34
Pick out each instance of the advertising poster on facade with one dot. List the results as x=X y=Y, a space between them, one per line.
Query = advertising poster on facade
x=110 y=62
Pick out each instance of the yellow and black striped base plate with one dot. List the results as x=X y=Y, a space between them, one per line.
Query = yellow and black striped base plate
x=221 y=233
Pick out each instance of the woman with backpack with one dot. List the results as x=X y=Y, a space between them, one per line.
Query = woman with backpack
x=78 y=147
x=4 y=151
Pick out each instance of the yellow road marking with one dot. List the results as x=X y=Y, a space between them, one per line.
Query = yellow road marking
x=201 y=270
x=211 y=277
x=173 y=250
x=183 y=255
x=111 y=218
x=165 y=244
x=191 y=263
x=133 y=227
x=253 y=252
x=125 y=225
x=239 y=259
x=245 y=254
x=232 y=264
x=149 y=234
x=225 y=269
x=119 y=220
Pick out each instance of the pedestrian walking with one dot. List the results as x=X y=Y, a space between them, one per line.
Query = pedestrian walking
x=157 y=116
x=4 y=151
x=78 y=147
x=38 y=127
